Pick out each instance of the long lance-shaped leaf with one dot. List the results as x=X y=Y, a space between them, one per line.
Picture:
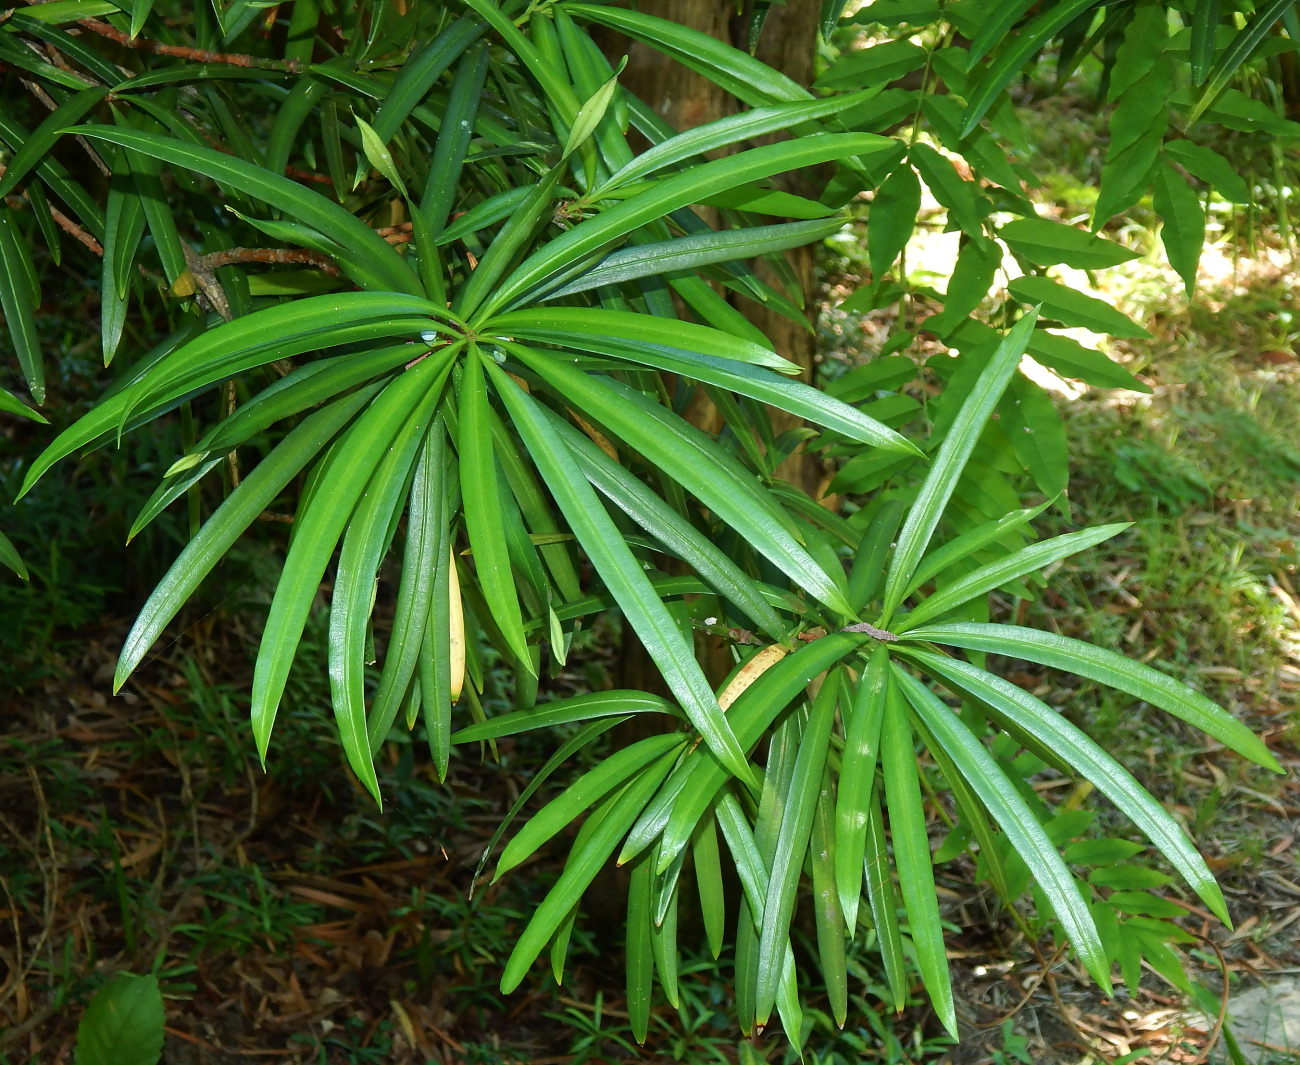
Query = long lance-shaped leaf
x=828 y=915
x=123 y=228
x=754 y=881
x=743 y=378
x=11 y=404
x=937 y=489
x=707 y=860
x=566 y=712
x=443 y=184
x=1011 y=811
x=298 y=391
x=1015 y=53
x=640 y=422
x=1077 y=749
x=9 y=556
x=1109 y=668
x=640 y=959
x=695 y=251
x=857 y=779
x=254 y=340
x=576 y=742
x=307 y=387
x=595 y=325
x=254 y=494
x=740 y=74
x=668 y=527
x=482 y=508
x=551 y=77
x=883 y=900
x=425 y=544
x=319 y=527
x=986 y=578
x=582 y=868
x=383 y=267
x=588 y=789
x=1237 y=53
x=968 y=543
x=667 y=196
x=56 y=177
x=282 y=331
x=364 y=545
x=912 y=852
x=750 y=715
x=18 y=302
x=732 y=129
x=421 y=70
x=792 y=843
x=623 y=575
x=41 y=140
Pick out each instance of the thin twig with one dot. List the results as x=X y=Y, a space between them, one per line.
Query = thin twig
x=197 y=55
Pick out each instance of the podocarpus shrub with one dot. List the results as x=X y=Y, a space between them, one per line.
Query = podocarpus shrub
x=452 y=284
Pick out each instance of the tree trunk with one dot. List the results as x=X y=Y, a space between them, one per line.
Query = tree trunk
x=686 y=99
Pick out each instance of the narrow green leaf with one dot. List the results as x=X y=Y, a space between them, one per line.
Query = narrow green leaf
x=9 y=557
x=640 y=957
x=426 y=543
x=969 y=543
x=378 y=155
x=732 y=129
x=829 y=918
x=753 y=82
x=383 y=267
x=255 y=492
x=1004 y=570
x=582 y=868
x=364 y=544
x=857 y=782
x=677 y=535
x=18 y=302
x=792 y=843
x=669 y=194
x=1212 y=168
x=623 y=575
x=937 y=489
x=566 y=712
x=1109 y=668
x=1018 y=821
x=40 y=142
x=1029 y=418
x=588 y=789
x=750 y=716
x=1205 y=25
x=961 y=197
x=708 y=880
x=421 y=70
x=1012 y=57
x=753 y=381
x=731 y=497
x=695 y=251
x=319 y=525
x=1243 y=44
x=447 y=164
x=590 y=328
x=11 y=404
x=912 y=852
x=483 y=519
x=883 y=899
